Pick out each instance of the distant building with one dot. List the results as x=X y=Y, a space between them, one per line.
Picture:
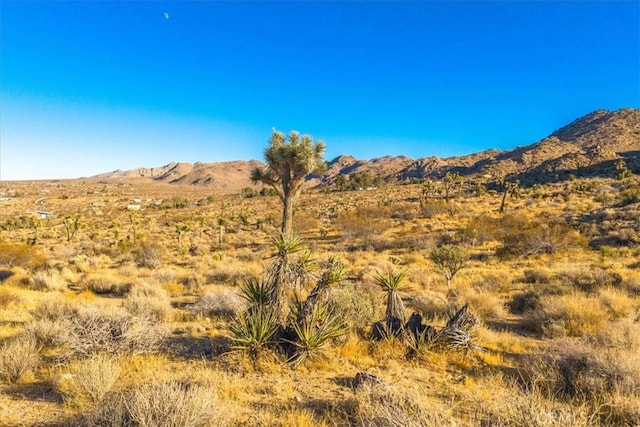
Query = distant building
x=45 y=215
x=133 y=207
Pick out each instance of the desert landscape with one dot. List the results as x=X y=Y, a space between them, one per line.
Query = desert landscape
x=498 y=288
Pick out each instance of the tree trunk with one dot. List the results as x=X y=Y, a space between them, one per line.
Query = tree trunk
x=287 y=214
x=318 y=295
x=504 y=198
x=279 y=293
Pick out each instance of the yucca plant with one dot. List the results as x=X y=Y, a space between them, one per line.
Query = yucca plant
x=305 y=268
x=282 y=274
x=256 y=292
x=392 y=282
x=253 y=330
x=421 y=342
x=313 y=334
x=334 y=273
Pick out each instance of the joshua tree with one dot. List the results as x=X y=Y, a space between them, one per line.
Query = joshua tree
x=289 y=160
x=282 y=275
x=181 y=229
x=509 y=188
x=72 y=225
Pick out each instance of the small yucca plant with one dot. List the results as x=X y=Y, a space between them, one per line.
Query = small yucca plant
x=313 y=334
x=392 y=282
x=253 y=330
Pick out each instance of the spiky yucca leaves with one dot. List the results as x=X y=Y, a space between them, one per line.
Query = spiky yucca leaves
x=458 y=334
x=256 y=292
x=305 y=268
x=315 y=333
x=334 y=273
x=254 y=330
x=420 y=343
x=281 y=274
x=392 y=282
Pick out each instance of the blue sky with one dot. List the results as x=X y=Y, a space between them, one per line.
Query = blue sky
x=89 y=86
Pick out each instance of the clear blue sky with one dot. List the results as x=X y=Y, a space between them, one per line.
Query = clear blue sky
x=89 y=86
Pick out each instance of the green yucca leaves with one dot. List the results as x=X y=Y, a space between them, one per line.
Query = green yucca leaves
x=390 y=281
x=313 y=334
x=253 y=330
x=256 y=292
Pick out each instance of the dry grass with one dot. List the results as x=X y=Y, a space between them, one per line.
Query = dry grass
x=125 y=341
x=17 y=357
x=48 y=281
x=86 y=382
x=567 y=315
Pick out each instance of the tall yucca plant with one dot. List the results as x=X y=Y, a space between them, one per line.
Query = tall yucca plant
x=281 y=274
x=289 y=159
x=334 y=273
x=392 y=282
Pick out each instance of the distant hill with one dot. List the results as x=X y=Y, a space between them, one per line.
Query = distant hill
x=588 y=146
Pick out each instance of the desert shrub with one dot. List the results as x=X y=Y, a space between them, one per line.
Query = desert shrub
x=632 y=285
x=148 y=302
x=449 y=259
x=572 y=368
x=567 y=315
x=48 y=281
x=148 y=254
x=432 y=305
x=359 y=306
x=17 y=357
x=89 y=380
x=589 y=280
x=225 y=273
x=55 y=308
x=108 y=284
x=168 y=404
x=192 y=283
x=383 y=405
x=20 y=255
x=365 y=222
x=83 y=330
x=496 y=282
x=165 y=275
x=488 y=306
x=539 y=276
x=511 y=405
x=617 y=303
x=116 y=333
x=482 y=228
x=221 y=302
x=524 y=238
x=50 y=333
x=523 y=302
x=431 y=208
x=521 y=236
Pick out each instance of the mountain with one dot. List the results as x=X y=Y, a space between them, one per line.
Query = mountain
x=588 y=146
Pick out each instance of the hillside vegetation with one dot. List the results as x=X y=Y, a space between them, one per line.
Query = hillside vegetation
x=126 y=306
x=508 y=296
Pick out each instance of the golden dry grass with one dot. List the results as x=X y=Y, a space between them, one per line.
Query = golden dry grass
x=190 y=290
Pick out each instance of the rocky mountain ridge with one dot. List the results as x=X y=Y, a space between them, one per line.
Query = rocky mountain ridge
x=588 y=146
